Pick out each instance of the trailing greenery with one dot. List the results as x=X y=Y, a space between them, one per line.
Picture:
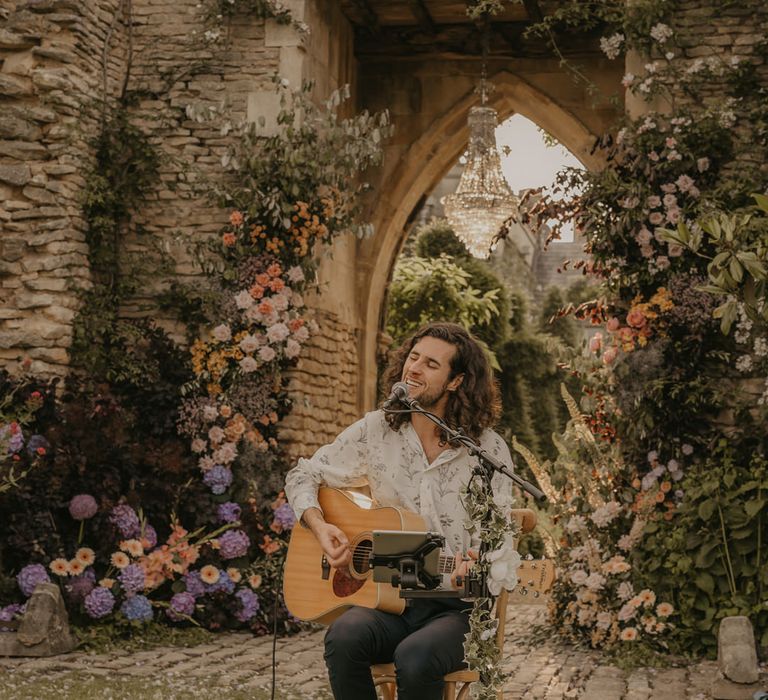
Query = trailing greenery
x=714 y=562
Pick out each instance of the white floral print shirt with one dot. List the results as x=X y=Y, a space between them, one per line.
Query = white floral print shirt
x=396 y=468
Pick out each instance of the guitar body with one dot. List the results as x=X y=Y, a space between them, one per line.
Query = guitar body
x=310 y=596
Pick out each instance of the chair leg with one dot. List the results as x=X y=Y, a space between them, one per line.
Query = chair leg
x=449 y=692
x=464 y=692
x=387 y=690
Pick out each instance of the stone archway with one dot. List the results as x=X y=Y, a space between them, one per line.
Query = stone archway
x=425 y=161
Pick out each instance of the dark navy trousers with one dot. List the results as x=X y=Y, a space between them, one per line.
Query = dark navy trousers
x=425 y=643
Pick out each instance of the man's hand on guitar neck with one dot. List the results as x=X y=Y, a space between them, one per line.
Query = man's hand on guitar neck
x=332 y=539
x=462 y=567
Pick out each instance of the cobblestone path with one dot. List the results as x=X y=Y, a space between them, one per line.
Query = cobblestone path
x=239 y=665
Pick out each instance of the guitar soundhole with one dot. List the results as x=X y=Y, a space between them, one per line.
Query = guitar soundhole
x=360 y=554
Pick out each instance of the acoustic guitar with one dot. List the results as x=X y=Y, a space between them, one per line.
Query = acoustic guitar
x=315 y=591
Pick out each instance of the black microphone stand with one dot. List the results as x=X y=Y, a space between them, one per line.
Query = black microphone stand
x=484 y=469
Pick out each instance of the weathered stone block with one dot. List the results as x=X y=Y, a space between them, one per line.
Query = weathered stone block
x=61 y=55
x=724 y=689
x=44 y=629
x=736 y=653
x=12 y=40
x=22 y=150
x=14 y=128
x=12 y=249
x=51 y=79
x=279 y=35
x=39 y=194
x=15 y=174
x=14 y=87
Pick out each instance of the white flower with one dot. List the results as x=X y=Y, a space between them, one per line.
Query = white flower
x=225 y=454
x=662 y=262
x=280 y=302
x=687 y=449
x=248 y=364
x=579 y=577
x=249 y=344
x=295 y=274
x=277 y=333
x=604 y=620
x=210 y=413
x=576 y=524
x=761 y=347
x=702 y=164
x=297 y=300
x=216 y=435
x=611 y=46
x=628 y=79
x=674 y=250
x=244 y=300
x=625 y=590
x=661 y=32
x=222 y=333
x=199 y=445
x=267 y=354
x=505 y=562
x=605 y=514
x=744 y=363
x=627 y=612
x=206 y=463
x=595 y=581
x=301 y=334
x=292 y=348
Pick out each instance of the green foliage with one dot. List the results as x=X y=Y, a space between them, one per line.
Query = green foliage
x=737 y=247
x=314 y=154
x=712 y=559
x=438 y=238
x=424 y=290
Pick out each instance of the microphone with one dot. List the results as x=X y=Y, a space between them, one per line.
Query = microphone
x=398 y=395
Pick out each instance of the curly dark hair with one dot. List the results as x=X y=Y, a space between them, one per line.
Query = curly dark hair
x=475 y=404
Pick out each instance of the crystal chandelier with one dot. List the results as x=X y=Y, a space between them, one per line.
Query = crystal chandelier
x=483 y=200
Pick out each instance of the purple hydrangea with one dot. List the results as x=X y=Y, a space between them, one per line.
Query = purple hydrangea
x=249 y=604
x=218 y=479
x=30 y=576
x=150 y=535
x=8 y=613
x=182 y=604
x=35 y=443
x=225 y=584
x=132 y=578
x=285 y=517
x=137 y=607
x=83 y=506
x=124 y=518
x=16 y=442
x=99 y=602
x=233 y=544
x=194 y=584
x=229 y=512
x=78 y=587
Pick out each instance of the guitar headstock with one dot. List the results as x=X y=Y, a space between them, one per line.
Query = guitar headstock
x=535 y=577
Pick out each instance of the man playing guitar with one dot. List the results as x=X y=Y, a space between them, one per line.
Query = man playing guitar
x=407 y=464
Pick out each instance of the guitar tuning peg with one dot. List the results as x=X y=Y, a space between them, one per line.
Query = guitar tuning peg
x=535 y=594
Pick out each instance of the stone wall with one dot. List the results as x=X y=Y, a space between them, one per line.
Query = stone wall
x=50 y=74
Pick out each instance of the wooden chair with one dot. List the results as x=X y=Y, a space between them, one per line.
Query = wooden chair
x=457 y=684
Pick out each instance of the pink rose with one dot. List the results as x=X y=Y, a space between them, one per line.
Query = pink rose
x=596 y=342
x=612 y=325
x=610 y=355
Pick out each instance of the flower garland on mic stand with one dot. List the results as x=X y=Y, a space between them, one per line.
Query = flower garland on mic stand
x=496 y=532
x=497 y=562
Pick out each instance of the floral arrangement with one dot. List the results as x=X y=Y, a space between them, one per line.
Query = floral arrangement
x=594 y=597
x=215 y=559
x=679 y=250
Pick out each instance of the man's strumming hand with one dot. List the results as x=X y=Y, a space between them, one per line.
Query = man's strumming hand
x=332 y=539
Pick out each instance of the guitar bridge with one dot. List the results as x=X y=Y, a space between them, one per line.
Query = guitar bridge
x=325 y=567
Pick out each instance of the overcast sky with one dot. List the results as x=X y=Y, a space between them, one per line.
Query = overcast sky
x=529 y=162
